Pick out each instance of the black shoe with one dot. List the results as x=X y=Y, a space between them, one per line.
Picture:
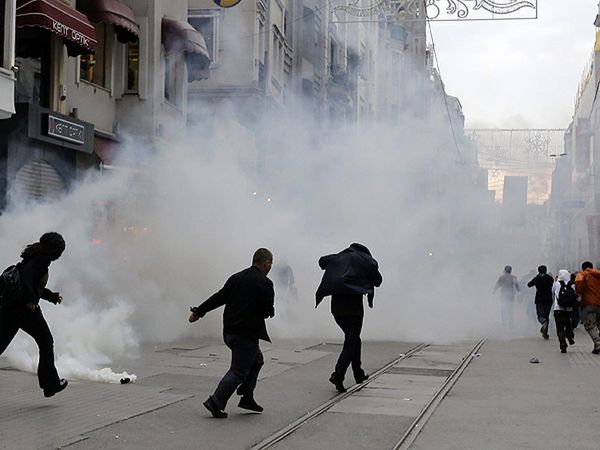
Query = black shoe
x=214 y=409
x=571 y=341
x=248 y=403
x=62 y=384
x=339 y=384
x=361 y=378
x=596 y=351
x=544 y=329
x=563 y=350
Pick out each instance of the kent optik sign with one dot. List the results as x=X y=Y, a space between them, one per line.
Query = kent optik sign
x=70 y=33
x=66 y=130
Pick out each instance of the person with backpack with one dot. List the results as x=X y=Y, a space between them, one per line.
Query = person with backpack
x=565 y=299
x=24 y=312
x=349 y=275
x=543 y=298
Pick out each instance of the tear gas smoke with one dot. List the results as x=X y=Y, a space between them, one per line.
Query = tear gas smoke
x=144 y=245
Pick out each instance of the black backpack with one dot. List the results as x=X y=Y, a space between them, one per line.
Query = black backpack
x=567 y=298
x=10 y=287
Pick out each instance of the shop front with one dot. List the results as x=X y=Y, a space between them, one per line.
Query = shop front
x=38 y=153
x=40 y=147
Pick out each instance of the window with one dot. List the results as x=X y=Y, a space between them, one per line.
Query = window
x=94 y=68
x=170 y=78
x=2 y=31
x=133 y=68
x=261 y=42
x=206 y=23
x=277 y=56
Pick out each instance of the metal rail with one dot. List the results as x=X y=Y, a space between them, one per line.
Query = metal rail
x=415 y=428
x=292 y=427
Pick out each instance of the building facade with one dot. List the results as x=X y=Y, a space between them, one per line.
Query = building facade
x=90 y=74
x=575 y=198
x=7 y=59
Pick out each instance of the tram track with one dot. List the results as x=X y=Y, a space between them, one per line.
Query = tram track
x=415 y=427
x=297 y=424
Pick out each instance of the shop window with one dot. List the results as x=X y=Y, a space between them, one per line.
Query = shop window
x=94 y=67
x=206 y=23
x=133 y=67
x=29 y=78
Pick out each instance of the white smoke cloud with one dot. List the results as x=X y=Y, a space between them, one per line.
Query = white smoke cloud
x=144 y=245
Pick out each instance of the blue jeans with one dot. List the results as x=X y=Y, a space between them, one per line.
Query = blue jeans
x=246 y=362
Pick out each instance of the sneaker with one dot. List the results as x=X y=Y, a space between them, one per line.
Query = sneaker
x=62 y=384
x=546 y=336
x=247 y=402
x=339 y=384
x=214 y=409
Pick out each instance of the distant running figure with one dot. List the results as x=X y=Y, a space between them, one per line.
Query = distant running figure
x=25 y=313
x=565 y=298
x=543 y=298
x=349 y=275
x=508 y=285
x=587 y=284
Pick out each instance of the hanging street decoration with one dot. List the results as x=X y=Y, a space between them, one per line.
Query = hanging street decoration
x=440 y=10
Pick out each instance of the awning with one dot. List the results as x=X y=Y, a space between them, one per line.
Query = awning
x=113 y=12
x=53 y=15
x=106 y=149
x=180 y=37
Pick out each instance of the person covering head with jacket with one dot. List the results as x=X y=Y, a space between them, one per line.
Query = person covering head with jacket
x=25 y=313
x=248 y=297
x=587 y=284
x=349 y=275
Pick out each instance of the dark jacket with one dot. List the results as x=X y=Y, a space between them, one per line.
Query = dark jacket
x=352 y=271
x=249 y=298
x=33 y=272
x=543 y=284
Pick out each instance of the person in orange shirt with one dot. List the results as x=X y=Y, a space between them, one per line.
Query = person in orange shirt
x=587 y=284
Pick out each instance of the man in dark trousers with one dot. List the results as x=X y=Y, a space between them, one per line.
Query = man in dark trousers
x=543 y=298
x=349 y=275
x=248 y=297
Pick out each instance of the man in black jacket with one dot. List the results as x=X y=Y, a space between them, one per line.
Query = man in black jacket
x=543 y=298
x=248 y=297
x=349 y=275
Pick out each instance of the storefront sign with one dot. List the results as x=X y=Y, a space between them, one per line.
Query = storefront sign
x=66 y=130
x=71 y=34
